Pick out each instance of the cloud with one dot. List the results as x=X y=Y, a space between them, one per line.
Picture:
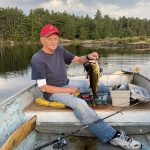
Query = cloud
x=72 y=6
x=121 y=3
x=113 y=8
x=140 y=8
x=25 y=5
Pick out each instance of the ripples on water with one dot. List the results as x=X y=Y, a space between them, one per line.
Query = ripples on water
x=115 y=62
x=15 y=65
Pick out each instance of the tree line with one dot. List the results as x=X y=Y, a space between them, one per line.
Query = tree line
x=16 y=26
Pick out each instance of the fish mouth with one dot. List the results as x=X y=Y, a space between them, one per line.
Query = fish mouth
x=92 y=61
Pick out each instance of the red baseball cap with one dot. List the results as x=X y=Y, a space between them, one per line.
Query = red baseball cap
x=49 y=29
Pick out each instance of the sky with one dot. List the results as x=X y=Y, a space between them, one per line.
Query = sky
x=113 y=8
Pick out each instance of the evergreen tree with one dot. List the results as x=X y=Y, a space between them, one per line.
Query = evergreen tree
x=15 y=25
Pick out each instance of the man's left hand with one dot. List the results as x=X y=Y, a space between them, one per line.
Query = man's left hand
x=93 y=55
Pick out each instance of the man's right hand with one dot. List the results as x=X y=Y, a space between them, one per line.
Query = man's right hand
x=73 y=90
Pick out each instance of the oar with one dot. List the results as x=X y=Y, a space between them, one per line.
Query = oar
x=84 y=127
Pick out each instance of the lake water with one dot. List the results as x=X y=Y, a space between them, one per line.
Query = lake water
x=15 y=68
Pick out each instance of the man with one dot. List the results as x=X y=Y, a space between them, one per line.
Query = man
x=48 y=69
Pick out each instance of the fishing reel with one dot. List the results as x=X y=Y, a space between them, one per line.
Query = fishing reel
x=87 y=68
x=60 y=144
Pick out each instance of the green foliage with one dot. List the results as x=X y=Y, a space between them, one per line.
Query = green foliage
x=15 y=26
x=132 y=39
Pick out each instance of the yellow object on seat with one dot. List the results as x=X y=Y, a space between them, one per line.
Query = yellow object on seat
x=44 y=102
x=76 y=94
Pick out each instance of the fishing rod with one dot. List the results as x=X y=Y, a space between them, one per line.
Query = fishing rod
x=60 y=141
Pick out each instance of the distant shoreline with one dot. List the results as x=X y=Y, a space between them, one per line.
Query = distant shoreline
x=137 y=43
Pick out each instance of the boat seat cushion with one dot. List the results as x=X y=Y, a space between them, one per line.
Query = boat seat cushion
x=42 y=101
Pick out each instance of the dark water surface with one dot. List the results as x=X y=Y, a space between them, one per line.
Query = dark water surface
x=15 y=69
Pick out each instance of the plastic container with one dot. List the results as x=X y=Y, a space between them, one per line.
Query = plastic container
x=120 y=98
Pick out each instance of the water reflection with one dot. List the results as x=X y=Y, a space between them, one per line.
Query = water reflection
x=104 y=52
x=14 y=84
x=15 y=59
x=15 y=64
x=115 y=62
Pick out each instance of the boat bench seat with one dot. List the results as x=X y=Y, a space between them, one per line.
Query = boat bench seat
x=52 y=120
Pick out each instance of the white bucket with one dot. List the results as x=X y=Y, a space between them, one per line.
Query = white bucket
x=120 y=98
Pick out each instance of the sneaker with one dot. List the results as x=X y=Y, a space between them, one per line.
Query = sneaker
x=125 y=142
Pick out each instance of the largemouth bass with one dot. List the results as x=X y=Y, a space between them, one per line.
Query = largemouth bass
x=94 y=74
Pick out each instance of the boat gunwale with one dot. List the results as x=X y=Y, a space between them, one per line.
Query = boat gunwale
x=142 y=76
x=16 y=95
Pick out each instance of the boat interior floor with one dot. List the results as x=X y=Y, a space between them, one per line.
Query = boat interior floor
x=89 y=143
